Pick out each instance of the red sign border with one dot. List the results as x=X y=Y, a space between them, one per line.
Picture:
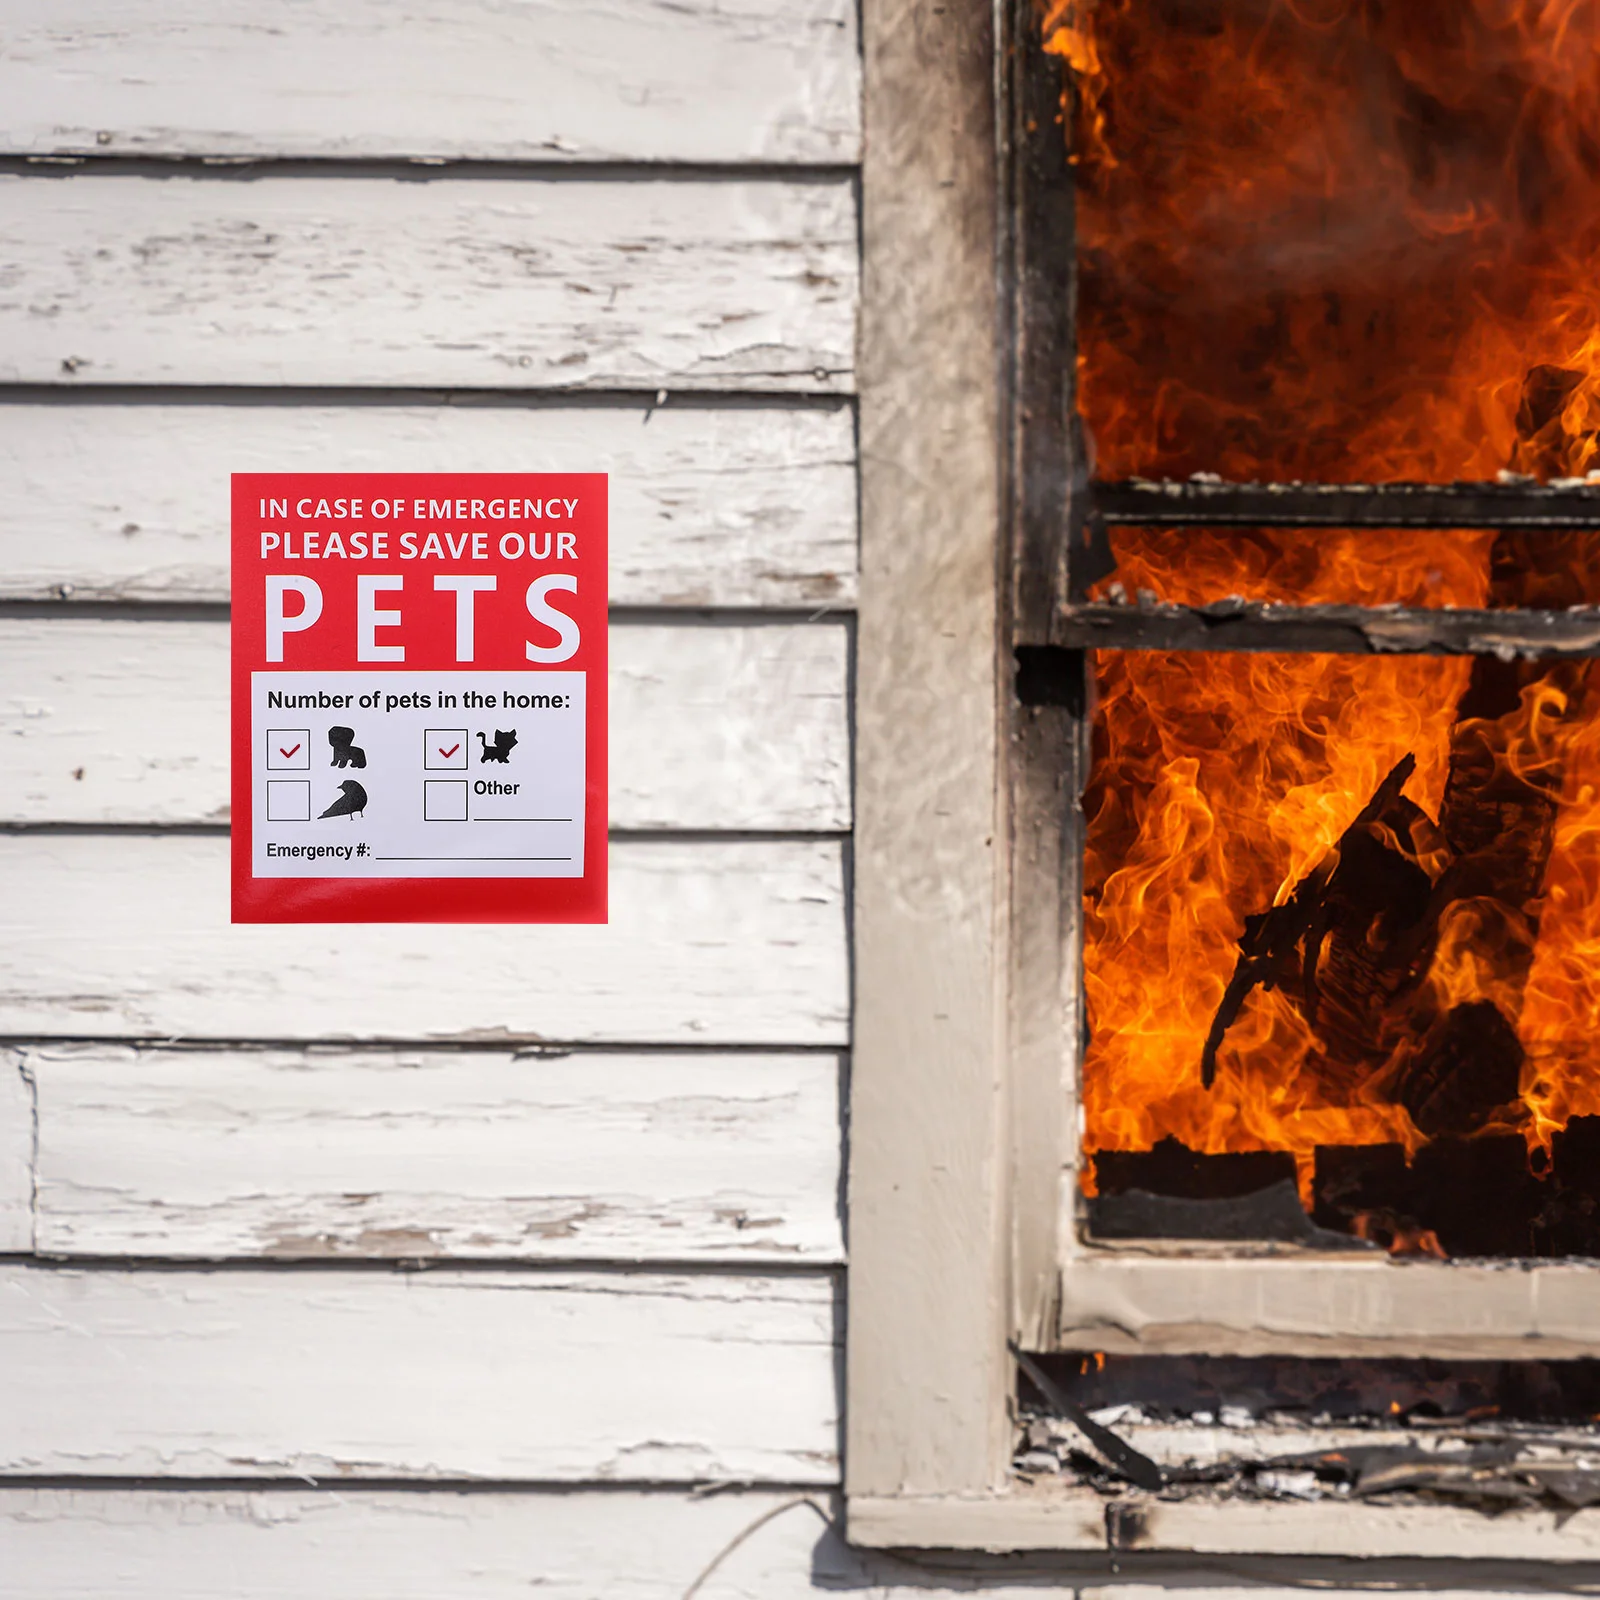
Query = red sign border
x=420 y=900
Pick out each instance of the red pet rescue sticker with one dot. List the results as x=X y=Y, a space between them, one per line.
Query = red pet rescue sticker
x=419 y=697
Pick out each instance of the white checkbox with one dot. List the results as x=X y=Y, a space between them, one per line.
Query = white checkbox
x=444 y=749
x=444 y=800
x=288 y=749
x=289 y=800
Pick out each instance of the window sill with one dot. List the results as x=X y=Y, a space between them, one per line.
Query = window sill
x=1050 y=1517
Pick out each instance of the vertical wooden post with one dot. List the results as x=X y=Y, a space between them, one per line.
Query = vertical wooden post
x=929 y=1290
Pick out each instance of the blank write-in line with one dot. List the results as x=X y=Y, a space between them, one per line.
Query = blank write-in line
x=521 y=819
x=472 y=858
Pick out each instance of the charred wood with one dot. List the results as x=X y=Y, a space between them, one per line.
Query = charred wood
x=1347 y=934
x=1171 y=1168
x=1132 y=1464
x=1368 y=921
x=1489 y=1435
x=1469 y=1067
x=1365 y=1189
x=1575 y=1156
x=1569 y=1222
x=1458 y=1197
x=1498 y=817
x=1272 y=1215
x=1515 y=503
x=1332 y=629
x=1478 y=1194
x=1335 y=1388
x=1369 y=938
x=1475 y=1196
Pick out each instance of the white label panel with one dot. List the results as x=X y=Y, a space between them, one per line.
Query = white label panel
x=417 y=774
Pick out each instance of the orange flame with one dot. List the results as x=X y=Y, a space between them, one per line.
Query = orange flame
x=1334 y=240
x=1329 y=240
x=1398 y=1240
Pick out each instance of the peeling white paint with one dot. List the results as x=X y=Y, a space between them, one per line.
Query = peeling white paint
x=764 y=80
x=710 y=942
x=422 y=1154
x=548 y=1377
x=715 y=727
x=479 y=282
x=747 y=506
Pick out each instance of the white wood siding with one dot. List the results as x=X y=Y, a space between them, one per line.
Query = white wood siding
x=16 y=1154
x=616 y=1150
x=548 y=1377
x=417 y=1154
x=372 y=1544
x=506 y=282
x=721 y=727
x=108 y=935
x=368 y=1544
x=746 y=506
x=640 y=80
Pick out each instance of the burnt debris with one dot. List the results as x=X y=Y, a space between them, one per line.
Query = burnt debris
x=1458 y=1196
x=1474 y=1197
x=1514 y=502
x=1331 y=629
x=1173 y=1169
x=1123 y=1459
x=1485 y=1435
x=1356 y=915
x=1171 y=1192
x=1366 y=943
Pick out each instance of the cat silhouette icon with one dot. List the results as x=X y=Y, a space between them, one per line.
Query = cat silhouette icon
x=505 y=740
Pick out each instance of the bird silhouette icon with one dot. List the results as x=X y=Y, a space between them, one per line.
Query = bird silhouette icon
x=352 y=798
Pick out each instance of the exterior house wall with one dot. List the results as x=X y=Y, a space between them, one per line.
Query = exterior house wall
x=450 y=1260
x=426 y=1262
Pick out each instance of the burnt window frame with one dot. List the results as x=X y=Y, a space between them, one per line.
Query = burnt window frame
x=981 y=536
x=1061 y=538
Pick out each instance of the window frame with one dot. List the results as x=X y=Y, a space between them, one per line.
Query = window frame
x=958 y=1099
x=965 y=1219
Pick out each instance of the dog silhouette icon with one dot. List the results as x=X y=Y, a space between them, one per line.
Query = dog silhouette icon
x=346 y=753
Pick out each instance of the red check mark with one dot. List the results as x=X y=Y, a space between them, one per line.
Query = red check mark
x=442 y=751
x=287 y=753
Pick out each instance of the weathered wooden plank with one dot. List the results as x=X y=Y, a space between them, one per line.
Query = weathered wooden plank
x=554 y=1378
x=1333 y=1305
x=1207 y=501
x=1344 y=630
x=421 y=1154
x=1053 y=1518
x=1503 y=1582
x=1406 y=1532
x=631 y=80
x=712 y=726
x=521 y=283
x=366 y=1544
x=930 y=1304
x=754 y=506
x=709 y=943
x=16 y=1153
x=297 y=1543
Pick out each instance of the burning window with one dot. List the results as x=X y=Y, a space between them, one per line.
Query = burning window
x=1338 y=371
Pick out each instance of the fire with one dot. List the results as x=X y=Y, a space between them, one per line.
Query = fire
x=1383 y=212
x=1221 y=781
x=1341 y=241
